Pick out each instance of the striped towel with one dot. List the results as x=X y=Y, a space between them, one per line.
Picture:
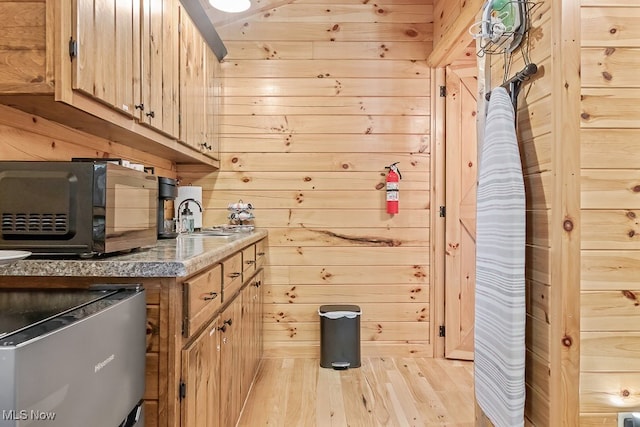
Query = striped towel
x=500 y=254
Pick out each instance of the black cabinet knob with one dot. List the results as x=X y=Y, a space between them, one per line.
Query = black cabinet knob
x=210 y=296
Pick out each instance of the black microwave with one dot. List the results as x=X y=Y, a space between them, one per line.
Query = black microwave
x=81 y=208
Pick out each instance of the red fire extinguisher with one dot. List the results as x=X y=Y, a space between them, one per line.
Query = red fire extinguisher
x=393 y=188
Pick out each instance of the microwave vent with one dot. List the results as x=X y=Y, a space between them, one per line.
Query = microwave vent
x=35 y=223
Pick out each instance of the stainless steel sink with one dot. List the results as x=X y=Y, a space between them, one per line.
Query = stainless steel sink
x=221 y=231
x=209 y=233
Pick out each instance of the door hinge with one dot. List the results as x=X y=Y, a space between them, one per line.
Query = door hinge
x=73 y=48
x=443 y=91
x=443 y=211
x=183 y=390
x=441 y=331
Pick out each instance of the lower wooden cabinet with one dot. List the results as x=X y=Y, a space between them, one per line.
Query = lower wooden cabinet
x=230 y=369
x=251 y=330
x=220 y=362
x=200 y=387
x=202 y=351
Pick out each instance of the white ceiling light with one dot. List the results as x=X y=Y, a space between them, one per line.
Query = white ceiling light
x=231 y=6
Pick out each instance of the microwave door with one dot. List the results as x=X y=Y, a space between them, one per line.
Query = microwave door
x=130 y=210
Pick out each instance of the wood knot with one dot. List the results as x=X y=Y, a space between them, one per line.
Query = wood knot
x=609 y=51
x=345 y=166
x=307 y=178
x=585 y=116
x=336 y=27
x=607 y=76
x=613 y=30
x=567 y=225
x=631 y=215
x=636 y=189
x=411 y=32
x=234 y=160
x=629 y=295
x=625 y=393
x=567 y=341
x=380 y=186
x=246 y=179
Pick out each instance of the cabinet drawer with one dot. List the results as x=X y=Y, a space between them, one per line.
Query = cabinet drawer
x=261 y=252
x=232 y=275
x=249 y=260
x=202 y=297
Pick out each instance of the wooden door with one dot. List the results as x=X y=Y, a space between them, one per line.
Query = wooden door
x=230 y=362
x=159 y=63
x=103 y=67
x=460 y=231
x=201 y=378
x=193 y=83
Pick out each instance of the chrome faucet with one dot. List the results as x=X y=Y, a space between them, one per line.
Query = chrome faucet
x=188 y=227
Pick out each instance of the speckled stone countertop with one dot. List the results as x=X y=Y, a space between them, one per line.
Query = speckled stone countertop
x=178 y=257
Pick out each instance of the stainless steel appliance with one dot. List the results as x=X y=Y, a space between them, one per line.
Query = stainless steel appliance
x=72 y=358
x=167 y=192
x=76 y=208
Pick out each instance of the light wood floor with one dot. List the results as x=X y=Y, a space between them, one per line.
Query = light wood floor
x=382 y=392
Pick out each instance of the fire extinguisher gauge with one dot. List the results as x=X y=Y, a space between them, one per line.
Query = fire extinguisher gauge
x=394 y=167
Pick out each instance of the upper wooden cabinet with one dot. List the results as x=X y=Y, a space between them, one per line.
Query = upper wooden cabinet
x=106 y=67
x=159 y=56
x=102 y=51
x=198 y=66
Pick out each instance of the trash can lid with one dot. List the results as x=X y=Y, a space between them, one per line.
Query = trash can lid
x=339 y=311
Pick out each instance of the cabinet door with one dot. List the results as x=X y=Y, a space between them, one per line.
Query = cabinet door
x=248 y=310
x=200 y=376
x=103 y=67
x=257 y=298
x=192 y=84
x=258 y=319
x=213 y=102
x=159 y=81
x=251 y=331
x=230 y=364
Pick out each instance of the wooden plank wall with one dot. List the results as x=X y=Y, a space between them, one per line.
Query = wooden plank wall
x=610 y=142
x=318 y=98
x=28 y=137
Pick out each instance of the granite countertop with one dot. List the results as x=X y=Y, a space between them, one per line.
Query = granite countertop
x=180 y=257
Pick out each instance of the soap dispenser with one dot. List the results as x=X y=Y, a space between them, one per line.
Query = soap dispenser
x=187 y=219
